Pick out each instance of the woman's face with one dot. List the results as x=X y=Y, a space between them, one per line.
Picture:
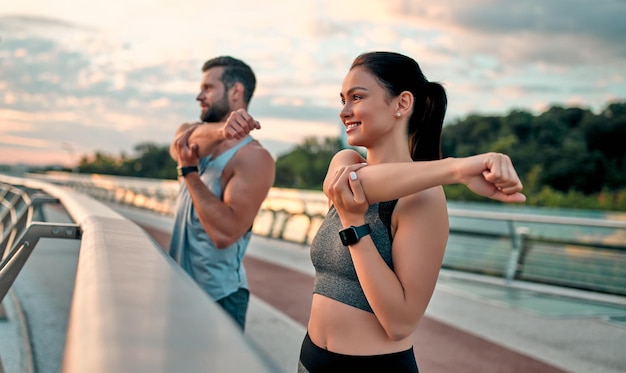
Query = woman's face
x=366 y=114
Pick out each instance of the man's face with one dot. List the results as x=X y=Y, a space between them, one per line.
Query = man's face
x=213 y=96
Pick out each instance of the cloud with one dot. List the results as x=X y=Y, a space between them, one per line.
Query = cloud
x=109 y=75
x=281 y=135
x=527 y=30
x=601 y=20
x=26 y=142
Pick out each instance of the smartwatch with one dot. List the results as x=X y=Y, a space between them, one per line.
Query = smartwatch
x=352 y=234
x=184 y=171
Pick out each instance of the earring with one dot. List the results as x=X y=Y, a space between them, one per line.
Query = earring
x=398 y=114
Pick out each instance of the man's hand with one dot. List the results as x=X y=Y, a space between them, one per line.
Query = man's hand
x=196 y=140
x=182 y=136
x=186 y=153
x=239 y=124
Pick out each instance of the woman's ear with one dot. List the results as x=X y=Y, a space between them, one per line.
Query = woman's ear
x=405 y=103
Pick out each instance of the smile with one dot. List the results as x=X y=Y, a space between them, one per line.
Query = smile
x=352 y=125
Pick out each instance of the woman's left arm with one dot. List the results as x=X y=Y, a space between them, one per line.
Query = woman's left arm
x=399 y=298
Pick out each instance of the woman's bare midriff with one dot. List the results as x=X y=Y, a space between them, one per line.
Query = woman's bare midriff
x=344 y=329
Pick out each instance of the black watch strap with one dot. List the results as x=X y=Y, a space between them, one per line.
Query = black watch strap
x=184 y=171
x=352 y=234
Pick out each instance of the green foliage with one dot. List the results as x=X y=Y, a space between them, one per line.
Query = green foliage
x=566 y=157
x=152 y=161
x=575 y=149
x=606 y=200
x=305 y=167
x=547 y=197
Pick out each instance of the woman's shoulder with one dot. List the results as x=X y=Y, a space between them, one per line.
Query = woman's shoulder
x=344 y=158
x=424 y=201
x=347 y=157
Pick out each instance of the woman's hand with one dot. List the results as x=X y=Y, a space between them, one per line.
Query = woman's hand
x=346 y=193
x=491 y=175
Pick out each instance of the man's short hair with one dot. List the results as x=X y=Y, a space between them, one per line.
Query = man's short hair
x=234 y=71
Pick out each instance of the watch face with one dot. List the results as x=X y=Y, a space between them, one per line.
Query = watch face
x=184 y=171
x=348 y=236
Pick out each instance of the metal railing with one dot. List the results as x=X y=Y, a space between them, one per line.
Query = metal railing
x=567 y=251
x=133 y=309
x=20 y=234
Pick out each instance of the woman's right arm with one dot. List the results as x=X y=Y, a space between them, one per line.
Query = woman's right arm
x=490 y=174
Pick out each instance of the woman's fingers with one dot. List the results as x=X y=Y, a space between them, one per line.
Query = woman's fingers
x=492 y=175
x=502 y=174
x=508 y=197
x=346 y=191
x=358 y=194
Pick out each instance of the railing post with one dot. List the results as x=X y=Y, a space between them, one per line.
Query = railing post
x=12 y=263
x=519 y=238
x=524 y=247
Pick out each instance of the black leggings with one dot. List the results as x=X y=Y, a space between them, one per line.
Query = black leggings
x=314 y=359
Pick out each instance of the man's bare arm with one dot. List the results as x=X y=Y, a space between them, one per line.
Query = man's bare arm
x=226 y=221
x=183 y=130
x=207 y=136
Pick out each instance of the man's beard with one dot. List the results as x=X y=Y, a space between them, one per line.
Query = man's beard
x=216 y=112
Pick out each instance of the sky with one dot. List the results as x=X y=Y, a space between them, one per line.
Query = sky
x=79 y=77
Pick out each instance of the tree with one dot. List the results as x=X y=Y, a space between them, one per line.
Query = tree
x=562 y=155
x=305 y=167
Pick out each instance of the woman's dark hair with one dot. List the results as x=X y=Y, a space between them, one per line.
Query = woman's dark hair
x=398 y=73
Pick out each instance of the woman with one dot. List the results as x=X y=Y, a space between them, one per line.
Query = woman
x=378 y=252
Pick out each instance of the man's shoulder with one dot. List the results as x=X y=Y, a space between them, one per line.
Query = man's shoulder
x=255 y=148
x=252 y=156
x=254 y=163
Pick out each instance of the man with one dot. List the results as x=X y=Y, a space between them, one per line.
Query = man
x=225 y=176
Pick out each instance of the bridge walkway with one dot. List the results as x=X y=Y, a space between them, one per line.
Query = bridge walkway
x=473 y=323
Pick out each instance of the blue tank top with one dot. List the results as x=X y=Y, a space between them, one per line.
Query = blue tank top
x=220 y=272
x=335 y=275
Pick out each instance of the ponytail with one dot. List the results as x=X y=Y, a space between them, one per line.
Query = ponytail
x=398 y=73
x=426 y=123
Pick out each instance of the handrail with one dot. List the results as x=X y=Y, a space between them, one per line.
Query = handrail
x=533 y=252
x=148 y=186
x=133 y=308
x=12 y=263
x=491 y=215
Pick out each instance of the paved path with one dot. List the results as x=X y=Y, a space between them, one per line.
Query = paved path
x=473 y=324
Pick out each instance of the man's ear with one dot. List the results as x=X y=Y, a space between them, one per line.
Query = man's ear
x=237 y=91
x=405 y=103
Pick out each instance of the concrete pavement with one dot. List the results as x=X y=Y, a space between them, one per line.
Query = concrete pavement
x=473 y=323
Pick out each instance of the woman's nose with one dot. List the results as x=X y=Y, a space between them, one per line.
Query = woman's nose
x=345 y=112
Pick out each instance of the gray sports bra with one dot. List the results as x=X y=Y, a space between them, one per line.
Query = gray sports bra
x=335 y=275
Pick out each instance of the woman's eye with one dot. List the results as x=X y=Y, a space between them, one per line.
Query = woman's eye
x=354 y=98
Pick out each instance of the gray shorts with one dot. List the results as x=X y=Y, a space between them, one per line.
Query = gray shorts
x=236 y=305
